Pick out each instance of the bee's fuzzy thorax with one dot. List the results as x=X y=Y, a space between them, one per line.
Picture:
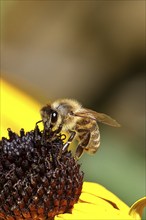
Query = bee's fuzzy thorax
x=70 y=104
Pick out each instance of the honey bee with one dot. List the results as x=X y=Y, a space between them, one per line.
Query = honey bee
x=68 y=115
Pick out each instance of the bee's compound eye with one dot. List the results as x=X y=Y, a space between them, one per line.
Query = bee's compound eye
x=54 y=116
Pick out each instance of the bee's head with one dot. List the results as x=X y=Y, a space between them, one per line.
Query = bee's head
x=61 y=112
x=49 y=116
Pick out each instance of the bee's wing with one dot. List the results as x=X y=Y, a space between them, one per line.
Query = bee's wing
x=100 y=117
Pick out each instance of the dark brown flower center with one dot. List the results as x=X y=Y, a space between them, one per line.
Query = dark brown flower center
x=37 y=180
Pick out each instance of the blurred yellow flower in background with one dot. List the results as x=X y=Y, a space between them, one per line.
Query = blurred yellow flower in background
x=17 y=109
x=96 y=202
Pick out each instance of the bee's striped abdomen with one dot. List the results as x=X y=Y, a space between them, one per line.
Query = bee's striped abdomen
x=88 y=135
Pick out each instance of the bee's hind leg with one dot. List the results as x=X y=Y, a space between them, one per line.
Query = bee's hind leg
x=79 y=152
x=84 y=141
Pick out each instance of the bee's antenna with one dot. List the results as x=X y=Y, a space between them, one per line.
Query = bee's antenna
x=37 y=131
x=38 y=122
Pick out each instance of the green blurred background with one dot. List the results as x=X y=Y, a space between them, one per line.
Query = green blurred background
x=92 y=51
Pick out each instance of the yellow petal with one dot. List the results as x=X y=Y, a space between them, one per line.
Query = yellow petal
x=102 y=192
x=96 y=202
x=137 y=208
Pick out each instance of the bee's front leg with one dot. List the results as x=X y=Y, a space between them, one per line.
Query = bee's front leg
x=56 y=132
x=66 y=145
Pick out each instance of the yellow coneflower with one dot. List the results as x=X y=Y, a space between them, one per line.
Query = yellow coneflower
x=96 y=202
x=37 y=181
